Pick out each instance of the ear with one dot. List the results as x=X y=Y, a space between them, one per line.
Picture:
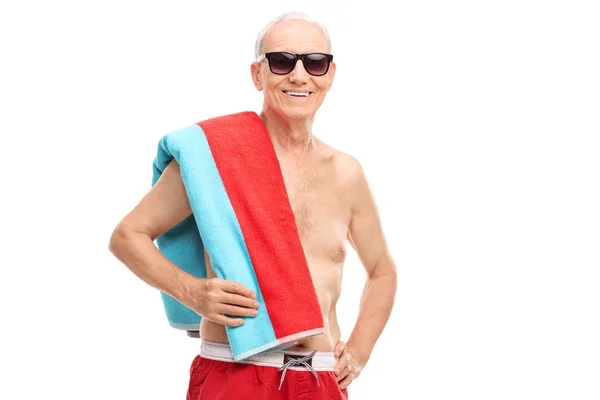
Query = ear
x=331 y=74
x=256 y=78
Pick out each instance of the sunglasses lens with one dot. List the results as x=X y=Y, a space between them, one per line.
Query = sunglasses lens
x=316 y=64
x=282 y=63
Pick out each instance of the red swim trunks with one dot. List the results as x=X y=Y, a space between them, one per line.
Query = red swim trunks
x=276 y=375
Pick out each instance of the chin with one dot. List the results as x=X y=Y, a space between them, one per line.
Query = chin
x=299 y=113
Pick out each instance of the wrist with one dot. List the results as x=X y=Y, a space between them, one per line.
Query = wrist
x=361 y=352
x=185 y=288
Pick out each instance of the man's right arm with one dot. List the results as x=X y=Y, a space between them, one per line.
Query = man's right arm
x=132 y=242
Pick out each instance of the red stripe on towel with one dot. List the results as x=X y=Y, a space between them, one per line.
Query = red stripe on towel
x=250 y=171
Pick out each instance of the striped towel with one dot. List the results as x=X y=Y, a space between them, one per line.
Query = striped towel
x=242 y=215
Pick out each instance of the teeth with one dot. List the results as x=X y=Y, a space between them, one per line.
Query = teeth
x=298 y=93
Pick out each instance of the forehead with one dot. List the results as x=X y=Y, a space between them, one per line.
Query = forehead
x=296 y=36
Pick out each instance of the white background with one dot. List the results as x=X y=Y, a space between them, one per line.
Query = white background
x=477 y=123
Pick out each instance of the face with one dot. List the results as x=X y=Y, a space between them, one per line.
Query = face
x=286 y=95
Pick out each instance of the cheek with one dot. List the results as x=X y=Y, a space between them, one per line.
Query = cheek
x=322 y=92
x=323 y=83
x=273 y=96
x=271 y=88
x=323 y=86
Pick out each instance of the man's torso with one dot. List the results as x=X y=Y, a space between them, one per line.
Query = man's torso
x=317 y=187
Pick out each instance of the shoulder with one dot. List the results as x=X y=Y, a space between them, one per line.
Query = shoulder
x=348 y=170
x=346 y=164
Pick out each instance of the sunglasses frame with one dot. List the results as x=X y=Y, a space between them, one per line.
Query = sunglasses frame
x=297 y=57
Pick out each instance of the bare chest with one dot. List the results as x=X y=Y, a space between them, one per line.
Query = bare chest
x=321 y=211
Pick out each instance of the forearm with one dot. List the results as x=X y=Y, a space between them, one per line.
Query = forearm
x=375 y=308
x=139 y=253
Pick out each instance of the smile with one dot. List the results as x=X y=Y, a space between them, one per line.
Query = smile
x=296 y=93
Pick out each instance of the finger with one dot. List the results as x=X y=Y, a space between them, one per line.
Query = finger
x=339 y=348
x=239 y=300
x=237 y=311
x=223 y=320
x=345 y=372
x=234 y=287
x=340 y=365
x=346 y=382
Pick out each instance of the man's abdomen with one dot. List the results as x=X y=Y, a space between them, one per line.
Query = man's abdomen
x=327 y=282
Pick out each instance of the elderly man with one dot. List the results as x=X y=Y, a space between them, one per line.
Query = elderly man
x=332 y=205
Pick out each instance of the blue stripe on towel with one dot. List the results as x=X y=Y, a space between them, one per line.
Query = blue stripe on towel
x=219 y=229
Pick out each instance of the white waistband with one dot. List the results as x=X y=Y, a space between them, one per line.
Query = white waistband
x=321 y=361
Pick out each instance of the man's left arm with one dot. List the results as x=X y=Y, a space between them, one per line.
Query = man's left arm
x=368 y=240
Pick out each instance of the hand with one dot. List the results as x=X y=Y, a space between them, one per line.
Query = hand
x=349 y=366
x=211 y=298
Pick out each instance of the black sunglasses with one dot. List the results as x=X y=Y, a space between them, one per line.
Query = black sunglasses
x=282 y=63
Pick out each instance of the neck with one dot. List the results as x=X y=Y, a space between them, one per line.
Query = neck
x=290 y=135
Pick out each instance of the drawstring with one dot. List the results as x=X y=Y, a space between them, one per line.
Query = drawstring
x=298 y=361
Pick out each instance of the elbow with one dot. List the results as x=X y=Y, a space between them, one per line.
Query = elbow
x=116 y=240
x=389 y=282
x=391 y=276
x=386 y=271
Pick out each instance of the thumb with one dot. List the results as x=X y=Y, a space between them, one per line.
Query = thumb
x=339 y=348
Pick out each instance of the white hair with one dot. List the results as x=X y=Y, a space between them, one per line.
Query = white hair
x=258 y=48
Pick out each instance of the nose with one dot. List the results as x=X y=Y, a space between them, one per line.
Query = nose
x=298 y=74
